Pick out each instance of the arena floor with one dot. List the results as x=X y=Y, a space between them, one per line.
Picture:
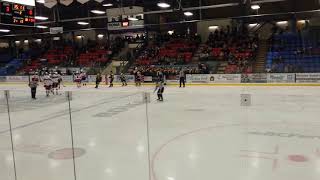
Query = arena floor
x=197 y=133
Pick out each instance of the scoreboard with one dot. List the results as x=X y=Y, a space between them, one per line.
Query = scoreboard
x=17 y=14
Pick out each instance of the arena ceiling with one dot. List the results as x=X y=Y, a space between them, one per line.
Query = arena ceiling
x=68 y=16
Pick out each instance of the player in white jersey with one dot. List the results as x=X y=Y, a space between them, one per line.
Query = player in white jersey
x=60 y=81
x=35 y=77
x=84 y=79
x=55 y=79
x=47 y=82
x=78 y=79
x=159 y=89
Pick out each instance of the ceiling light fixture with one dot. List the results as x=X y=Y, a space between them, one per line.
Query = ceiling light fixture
x=100 y=36
x=255 y=7
x=188 y=13
x=40 y=1
x=282 y=22
x=107 y=5
x=163 y=5
x=82 y=23
x=42 y=18
x=42 y=27
x=213 y=27
x=98 y=12
x=79 y=36
x=132 y=19
x=5 y=30
x=303 y=21
x=253 y=24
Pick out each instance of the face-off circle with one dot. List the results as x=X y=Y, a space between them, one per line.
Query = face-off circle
x=252 y=151
x=66 y=153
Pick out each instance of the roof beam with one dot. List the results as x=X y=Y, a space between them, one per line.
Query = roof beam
x=266 y=1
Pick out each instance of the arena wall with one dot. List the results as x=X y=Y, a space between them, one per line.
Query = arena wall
x=273 y=79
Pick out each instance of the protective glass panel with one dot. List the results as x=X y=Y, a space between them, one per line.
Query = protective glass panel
x=41 y=135
x=6 y=156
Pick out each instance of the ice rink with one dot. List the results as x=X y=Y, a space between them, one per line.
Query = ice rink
x=197 y=133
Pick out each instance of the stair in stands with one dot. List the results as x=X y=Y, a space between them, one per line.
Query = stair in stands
x=222 y=66
x=259 y=66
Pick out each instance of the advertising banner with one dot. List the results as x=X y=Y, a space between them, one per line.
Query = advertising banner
x=224 y=78
x=67 y=78
x=308 y=78
x=91 y=78
x=17 y=79
x=254 y=78
x=129 y=78
x=281 y=78
x=197 y=78
x=147 y=78
x=3 y=78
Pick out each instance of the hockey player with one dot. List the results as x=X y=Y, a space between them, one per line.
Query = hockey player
x=160 y=89
x=106 y=79
x=123 y=79
x=160 y=76
x=47 y=82
x=55 y=79
x=98 y=80
x=77 y=80
x=138 y=78
x=111 y=77
x=60 y=81
x=84 y=78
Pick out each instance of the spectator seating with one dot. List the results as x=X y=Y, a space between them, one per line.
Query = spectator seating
x=52 y=57
x=237 y=48
x=172 y=51
x=11 y=67
x=291 y=52
x=92 y=57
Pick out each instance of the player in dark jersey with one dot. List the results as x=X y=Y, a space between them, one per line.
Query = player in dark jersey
x=98 y=80
x=123 y=79
x=111 y=77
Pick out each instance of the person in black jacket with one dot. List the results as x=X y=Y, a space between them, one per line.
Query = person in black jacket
x=111 y=77
x=123 y=79
x=182 y=78
x=98 y=80
x=33 y=84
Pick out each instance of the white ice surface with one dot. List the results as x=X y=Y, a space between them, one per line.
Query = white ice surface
x=197 y=133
